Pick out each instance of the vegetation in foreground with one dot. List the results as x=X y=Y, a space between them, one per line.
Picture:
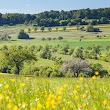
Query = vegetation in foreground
x=27 y=93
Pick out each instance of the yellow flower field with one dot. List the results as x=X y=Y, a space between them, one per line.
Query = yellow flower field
x=27 y=93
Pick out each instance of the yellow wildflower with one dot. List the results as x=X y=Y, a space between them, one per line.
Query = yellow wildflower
x=9 y=106
x=1 y=97
x=39 y=105
x=104 y=102
x=81 y=78
x=22 y=85
x=59 y=98
x=93 y=77
x=15 y=107
x=109 y=108
x=52 y=102
x=75 y=91
x=23 y=105
x=96 y=73
x=47 y=104
x=60 y=91
x=79 y=105
x=53 y=106
x=6 y=86
x=76 y=97
x=13 y=80
x=77 y=86
x=83 y=104
x=10 y=93
x=63 y=109
x=65 y=85
x=84 y=95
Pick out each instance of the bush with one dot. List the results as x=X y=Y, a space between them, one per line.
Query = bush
x=76 y=67
x=60 y=38
x=45 y=54
x=23 y=35
x=90 y=28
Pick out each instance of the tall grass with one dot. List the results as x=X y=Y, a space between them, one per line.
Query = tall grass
x=24 y=93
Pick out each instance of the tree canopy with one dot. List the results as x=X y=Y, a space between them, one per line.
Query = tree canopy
x=23 y=35
x=58 y=18
x=15 y=57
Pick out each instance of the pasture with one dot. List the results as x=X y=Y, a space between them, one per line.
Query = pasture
x=71 y=37
x=32 y=93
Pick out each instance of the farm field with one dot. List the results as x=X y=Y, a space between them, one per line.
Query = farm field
x=29 y=93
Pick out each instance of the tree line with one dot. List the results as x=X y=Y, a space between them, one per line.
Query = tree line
x=59 y=18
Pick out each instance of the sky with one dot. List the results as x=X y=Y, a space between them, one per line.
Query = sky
x=37 y=6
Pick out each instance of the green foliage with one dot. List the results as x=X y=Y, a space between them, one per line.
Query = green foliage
x=104 y=20
x=60 y=38
x=49 y=29
x=29 y=30
x=45 y=54
x=99 y=68
x=78 y=52
x=23 y=35
x=90 y=28
x=42 y=28
x=14 y=57
x=58 y=18
x=64 y=28
x=35 y=29
x=65 y=50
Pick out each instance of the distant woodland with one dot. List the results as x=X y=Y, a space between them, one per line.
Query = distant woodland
x=58 y=18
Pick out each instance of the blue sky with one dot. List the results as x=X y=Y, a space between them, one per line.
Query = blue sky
x=36 y=6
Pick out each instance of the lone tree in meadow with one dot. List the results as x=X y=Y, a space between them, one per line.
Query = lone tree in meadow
x=90 y=28
x=35 y=29
x=15 y=57
x=29 y=30
x=49 y=29
x=23 y=35
x=60 y=38
x=56 y=28
x=64 y=28
x=42 y=28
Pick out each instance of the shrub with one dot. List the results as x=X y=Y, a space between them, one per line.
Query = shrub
x=23 y=35
x=76 y=67
x=45 y=54
x=90 y=28
x=60 y=38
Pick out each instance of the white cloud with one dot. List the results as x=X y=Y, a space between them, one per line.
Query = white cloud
x=9 y=11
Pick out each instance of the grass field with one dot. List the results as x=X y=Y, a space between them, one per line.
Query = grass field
x=24 y=93
x=32 y=93
x=71 y=37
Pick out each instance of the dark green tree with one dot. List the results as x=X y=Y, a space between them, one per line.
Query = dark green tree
x=42 y=28
x=23 y=35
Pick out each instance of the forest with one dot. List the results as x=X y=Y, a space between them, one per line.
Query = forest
x=58 y=18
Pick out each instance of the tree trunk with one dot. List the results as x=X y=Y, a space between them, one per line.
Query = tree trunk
x=18 y=70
